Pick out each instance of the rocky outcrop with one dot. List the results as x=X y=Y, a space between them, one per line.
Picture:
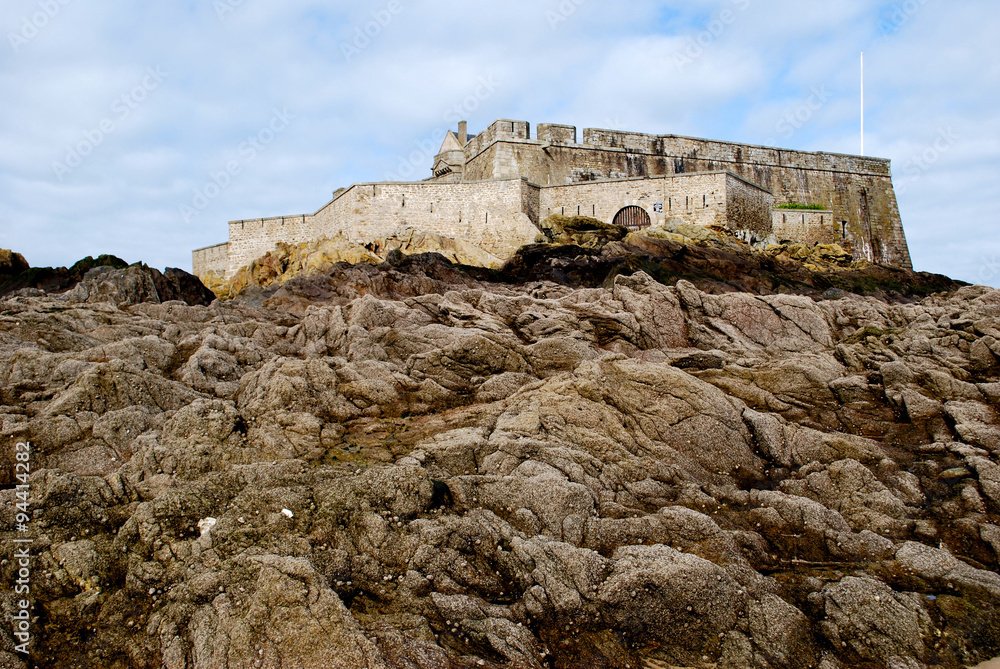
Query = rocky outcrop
x=288 y=261
x=11 y=264
x=416 y=464
x=583 y=252
x=580 y=231
x=137 y=284
x=106 y=278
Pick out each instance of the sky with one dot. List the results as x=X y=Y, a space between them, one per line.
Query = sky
x=139 y=129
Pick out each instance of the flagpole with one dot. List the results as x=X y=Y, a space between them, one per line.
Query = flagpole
x=862 y=103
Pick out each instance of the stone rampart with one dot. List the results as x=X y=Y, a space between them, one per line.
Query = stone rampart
x=497 y=216
x=809 y=227
x=508 y=182
x=700 y=199
x=250 y=239
x=211 y=260
x=748 y=207
x=857 y=189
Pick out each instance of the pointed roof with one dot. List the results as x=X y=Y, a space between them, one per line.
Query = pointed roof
x=451 y=143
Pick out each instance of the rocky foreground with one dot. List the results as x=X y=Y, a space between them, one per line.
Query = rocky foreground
x=418 y=466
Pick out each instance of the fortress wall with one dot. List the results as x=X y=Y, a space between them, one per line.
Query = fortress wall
x=557 y=134
x=250 y=239
x=731 y=152
x=499 y=204
x=491 y=215
x=747 y=206
x=210 y=260
x=503 y=129
x=856 y=189
x=808 y=227
x=698 y=198
x=531 y=202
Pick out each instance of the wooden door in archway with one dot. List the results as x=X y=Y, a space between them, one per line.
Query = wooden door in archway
x=632 y=217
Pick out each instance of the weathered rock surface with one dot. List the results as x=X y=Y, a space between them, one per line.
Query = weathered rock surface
x=104 y=279
x=11 y=264
x=411 y=465
x=288 y=261
x=580 y=230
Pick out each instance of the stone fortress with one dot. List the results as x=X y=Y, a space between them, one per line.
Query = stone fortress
x=493 y=189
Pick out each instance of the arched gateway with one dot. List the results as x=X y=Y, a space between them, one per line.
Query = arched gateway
x=632 y=217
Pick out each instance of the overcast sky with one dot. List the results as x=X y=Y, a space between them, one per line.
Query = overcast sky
x=141 y=128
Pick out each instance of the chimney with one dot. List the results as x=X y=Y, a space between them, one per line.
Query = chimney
x=463 y=132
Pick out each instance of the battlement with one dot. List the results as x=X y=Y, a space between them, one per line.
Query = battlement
x=557 y=134
x=675 y=146
x=503 y=130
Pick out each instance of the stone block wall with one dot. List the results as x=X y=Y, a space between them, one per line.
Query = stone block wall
x=698 y=199
x=809 y=227
x=748 y=207
x=557 y=134
x=211 y=260
x=497 y=216
x=500 y=130
x=856 y=189
x=713 y=198
x=250 y=239
x=491 y=215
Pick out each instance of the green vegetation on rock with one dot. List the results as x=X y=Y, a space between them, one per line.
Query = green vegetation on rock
x=799 y=205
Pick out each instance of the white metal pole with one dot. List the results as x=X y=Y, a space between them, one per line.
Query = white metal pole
x=862 y=103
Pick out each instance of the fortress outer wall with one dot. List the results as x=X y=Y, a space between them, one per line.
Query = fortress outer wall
x=856 y=190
